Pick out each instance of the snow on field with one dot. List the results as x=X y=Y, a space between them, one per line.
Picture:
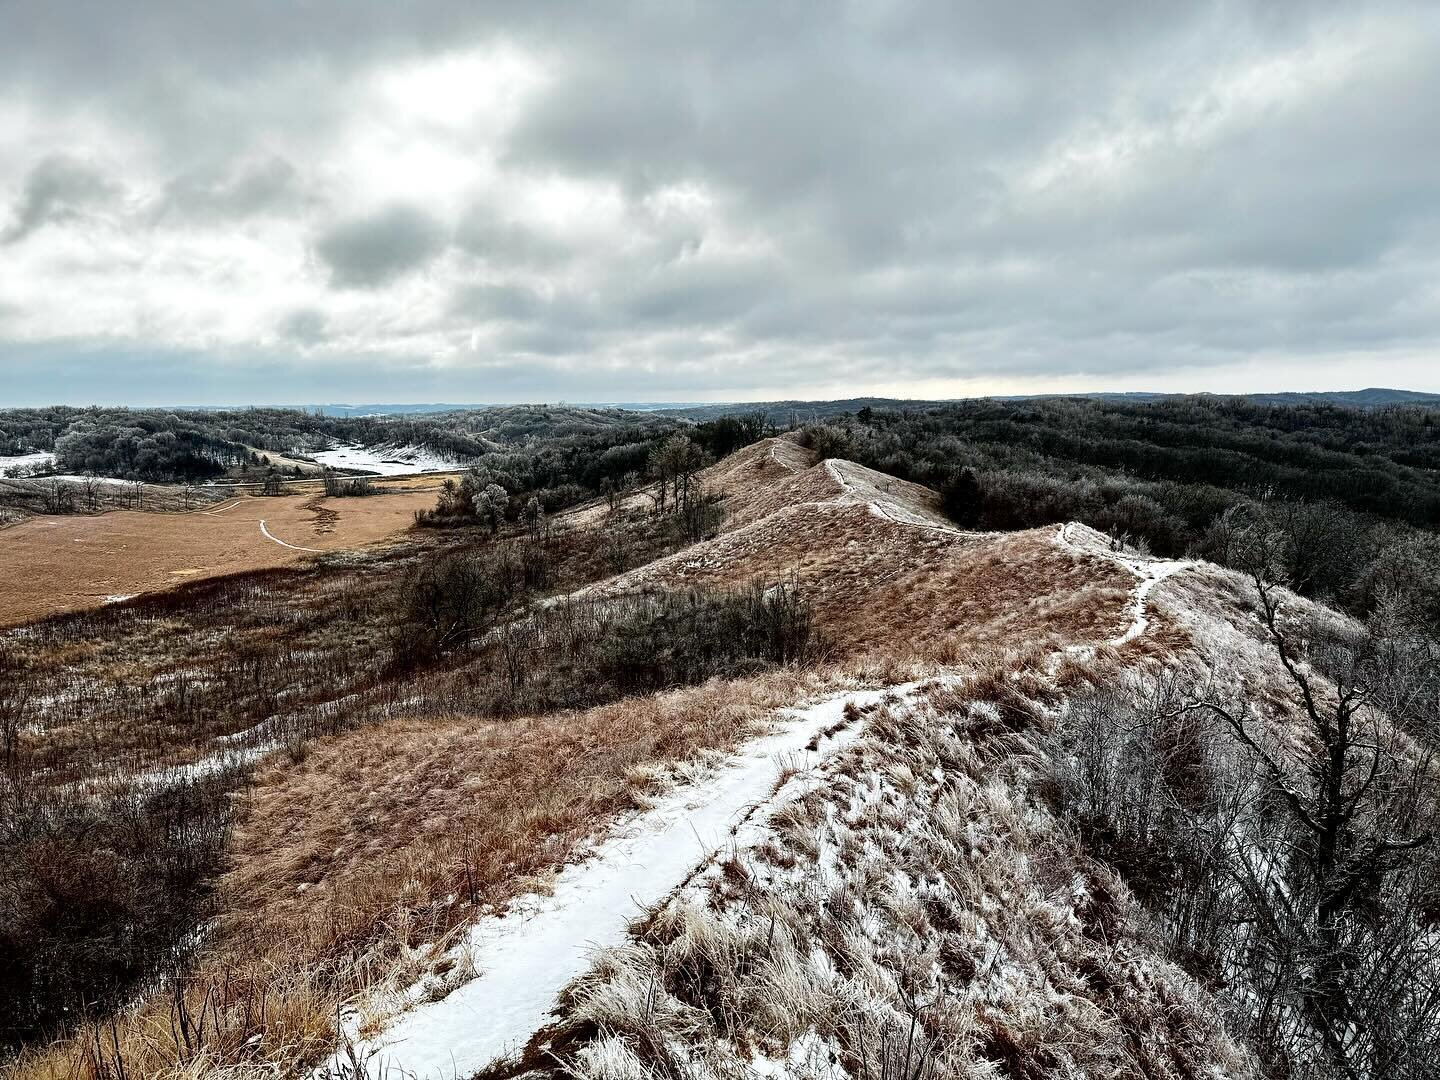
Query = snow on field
x=100 y=481
x=887 y=497
x=386 y=460
x=40 y=458
x=210 y=765
x=526 y=956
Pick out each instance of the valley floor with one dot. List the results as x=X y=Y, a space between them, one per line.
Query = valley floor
x=61 y=563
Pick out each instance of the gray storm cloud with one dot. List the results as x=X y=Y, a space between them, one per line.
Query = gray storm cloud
x=58 y=188
x=731 y=199
x=371 y=251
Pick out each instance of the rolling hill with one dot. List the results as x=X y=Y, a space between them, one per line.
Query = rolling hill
x=901 y=891
x=1026 y=803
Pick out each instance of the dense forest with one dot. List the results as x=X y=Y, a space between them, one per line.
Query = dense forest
x=166 y=445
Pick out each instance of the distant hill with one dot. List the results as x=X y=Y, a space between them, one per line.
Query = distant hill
x=1370 y=398
x=801 y=412
x=808 y=411
x=443 y=407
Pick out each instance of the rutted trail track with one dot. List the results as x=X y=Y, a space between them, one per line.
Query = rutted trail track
x=876 y=504
x=293 y=547
x=1149 y=570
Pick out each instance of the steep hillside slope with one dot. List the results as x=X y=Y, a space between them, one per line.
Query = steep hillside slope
x=889 y=575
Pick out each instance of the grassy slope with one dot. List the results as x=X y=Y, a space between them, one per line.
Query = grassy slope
x=363 y=848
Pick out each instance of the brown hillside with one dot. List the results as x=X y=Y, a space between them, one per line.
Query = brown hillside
x=888 y=574
x=360 y=855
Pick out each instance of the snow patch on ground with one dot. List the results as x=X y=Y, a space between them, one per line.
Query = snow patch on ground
x=42 y=459
x=386 y=460
x=247 y=735
x=153 y=781
x=526 y=956
x=225 y=761
x=101 y=481
x=810 y=1055
x=885 y=497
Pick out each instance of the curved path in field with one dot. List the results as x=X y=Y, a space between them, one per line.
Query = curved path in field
x=63 y=563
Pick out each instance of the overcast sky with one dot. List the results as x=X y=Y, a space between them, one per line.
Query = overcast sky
x=363 y=200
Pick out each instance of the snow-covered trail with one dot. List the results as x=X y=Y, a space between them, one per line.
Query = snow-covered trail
x=293 y=547
x=526 y=956
x=1150 y=571
x=879 y=509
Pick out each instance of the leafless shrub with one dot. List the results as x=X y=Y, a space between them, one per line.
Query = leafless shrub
x=99 y=889
x=1284 y=838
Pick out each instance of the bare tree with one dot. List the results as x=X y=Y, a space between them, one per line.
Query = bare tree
x=534 y=515
x=1355 y=799
x=14 y=699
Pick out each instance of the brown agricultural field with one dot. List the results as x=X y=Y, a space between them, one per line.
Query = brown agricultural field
x=53 y=564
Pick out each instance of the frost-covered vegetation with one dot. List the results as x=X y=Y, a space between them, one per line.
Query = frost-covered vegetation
x=918 y=911
x=1153 y=818
x=1221 y=863
x=90 y=702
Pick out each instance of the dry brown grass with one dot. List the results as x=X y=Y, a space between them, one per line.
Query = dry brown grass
x=52 y=564
x=919 y=913
x=755 y=481
x=383 y=840
x=467 y=805
x=879 y=585
x=358 y=850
